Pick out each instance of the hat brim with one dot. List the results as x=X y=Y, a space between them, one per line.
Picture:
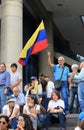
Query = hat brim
x=11 y=100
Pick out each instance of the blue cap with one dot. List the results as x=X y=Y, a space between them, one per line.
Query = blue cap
x=81 y=116
x=33 y=78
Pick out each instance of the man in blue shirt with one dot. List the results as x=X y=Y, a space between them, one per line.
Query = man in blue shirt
x=65 y=78
x=4 y=84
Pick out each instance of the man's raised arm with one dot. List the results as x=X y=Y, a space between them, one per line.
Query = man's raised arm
x=49 y=59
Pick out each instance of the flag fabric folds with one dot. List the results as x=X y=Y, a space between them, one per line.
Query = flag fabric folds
x=36 y=43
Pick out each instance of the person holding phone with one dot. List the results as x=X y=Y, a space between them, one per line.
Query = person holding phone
x=24 y=122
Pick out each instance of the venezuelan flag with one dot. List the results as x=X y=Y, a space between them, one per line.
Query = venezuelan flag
x=36 y=43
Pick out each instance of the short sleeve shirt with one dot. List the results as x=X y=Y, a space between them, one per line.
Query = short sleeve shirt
x=58 y=71
x=20 y=98
x=6 y=107
x=36 y=107
x=14 y=78
x=54 y=104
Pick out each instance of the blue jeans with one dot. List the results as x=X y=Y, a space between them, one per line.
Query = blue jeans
x=14 y=123
x=44 y=96
x=2 y=98
x=81 y=95
x=64 y=93
x=73 y=93
x=60 y=116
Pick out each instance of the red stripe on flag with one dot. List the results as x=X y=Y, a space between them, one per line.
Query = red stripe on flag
x=21 y=62
x=43 y=44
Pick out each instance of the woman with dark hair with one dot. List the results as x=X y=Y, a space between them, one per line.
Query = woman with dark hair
x=55 y=112
x=4 y=123
x=24 y=122
x=32 y=109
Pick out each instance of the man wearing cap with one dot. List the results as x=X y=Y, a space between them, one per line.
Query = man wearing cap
x=80 y=79
x=74 y=89
x=58 y=69
x=50 y=87
x=4 y=84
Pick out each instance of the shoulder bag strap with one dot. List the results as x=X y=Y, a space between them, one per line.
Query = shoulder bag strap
x=62 y=73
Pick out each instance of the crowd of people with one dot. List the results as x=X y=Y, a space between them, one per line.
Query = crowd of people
x=42 y=103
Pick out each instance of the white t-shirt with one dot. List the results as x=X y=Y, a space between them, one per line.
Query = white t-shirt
x=6 y=107
x=26 y=96
x=14 y=78
x=54 y=104
x=50 y=86
x=34 y=120
x=36 y=107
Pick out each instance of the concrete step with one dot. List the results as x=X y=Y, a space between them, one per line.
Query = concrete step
x=71 y=119
x=71 y=122
x=56 y=128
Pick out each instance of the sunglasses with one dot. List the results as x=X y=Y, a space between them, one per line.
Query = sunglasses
x=2 y=122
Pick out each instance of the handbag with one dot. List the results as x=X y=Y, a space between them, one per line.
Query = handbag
x=56 y=114
x=41 y=117
x=42 y=114
x=58 y=83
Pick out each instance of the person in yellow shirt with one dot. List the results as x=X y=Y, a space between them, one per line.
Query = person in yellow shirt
x=35 y=82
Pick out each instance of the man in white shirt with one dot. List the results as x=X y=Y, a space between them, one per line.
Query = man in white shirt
x=15 y=79
x=50 y=87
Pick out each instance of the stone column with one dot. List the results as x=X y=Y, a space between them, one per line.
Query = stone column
x=43 y=61
x=11 y=31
